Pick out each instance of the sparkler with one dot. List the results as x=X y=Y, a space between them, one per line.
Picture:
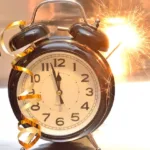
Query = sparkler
x=128 y=30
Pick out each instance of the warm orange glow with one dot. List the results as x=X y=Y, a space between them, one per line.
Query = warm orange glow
x=129 y=38
x=124 y=31
x=120 y=30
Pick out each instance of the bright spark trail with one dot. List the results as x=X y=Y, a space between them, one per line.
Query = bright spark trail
x=128 y=28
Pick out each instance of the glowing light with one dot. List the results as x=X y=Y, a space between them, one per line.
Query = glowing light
x=115 y=20
x=120 y=30
x=129 y=29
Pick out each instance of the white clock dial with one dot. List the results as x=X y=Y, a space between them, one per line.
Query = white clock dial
x=79 y=91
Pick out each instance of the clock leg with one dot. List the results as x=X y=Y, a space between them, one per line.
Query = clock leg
x=93 y=142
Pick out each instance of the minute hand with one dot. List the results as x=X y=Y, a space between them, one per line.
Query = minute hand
x=58 y=87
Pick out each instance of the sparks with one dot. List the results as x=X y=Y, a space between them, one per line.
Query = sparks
x=129 y=29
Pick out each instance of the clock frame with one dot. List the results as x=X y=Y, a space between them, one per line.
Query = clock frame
x=94 y=59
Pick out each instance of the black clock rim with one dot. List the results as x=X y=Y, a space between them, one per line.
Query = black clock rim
x=94 y=59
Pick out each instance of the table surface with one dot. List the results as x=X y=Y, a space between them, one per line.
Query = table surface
x=126 y=128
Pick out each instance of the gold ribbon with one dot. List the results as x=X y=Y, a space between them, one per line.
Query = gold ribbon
x=14 y=24
x=24 y=95
x=33 y=129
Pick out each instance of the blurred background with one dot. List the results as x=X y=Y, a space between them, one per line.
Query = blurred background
x=126 y=22
x=131 y=62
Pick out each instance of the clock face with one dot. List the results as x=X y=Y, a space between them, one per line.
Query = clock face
x=69 y=89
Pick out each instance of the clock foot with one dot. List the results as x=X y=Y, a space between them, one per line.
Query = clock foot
x=93 y=142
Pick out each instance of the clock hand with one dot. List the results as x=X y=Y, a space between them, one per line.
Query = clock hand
x=61 y=100
x=54 y=73
x=58 y=79
x=59 y=92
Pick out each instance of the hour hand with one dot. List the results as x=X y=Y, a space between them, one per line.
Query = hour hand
x=58 y=79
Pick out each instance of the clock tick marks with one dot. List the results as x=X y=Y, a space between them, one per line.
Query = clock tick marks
x=67 y=87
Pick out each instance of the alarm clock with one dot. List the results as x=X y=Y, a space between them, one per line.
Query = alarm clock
x=74 y=80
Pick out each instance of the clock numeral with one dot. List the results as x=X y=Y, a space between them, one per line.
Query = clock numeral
x=85 y=106
x=90 y=92
x=47 y=116
x=59 y=62
x=74 y=67
x=60 y=121
x=35 y=107
x=45 y=66
x=75 y=117
x=86 y=78
x=36 y=78
x=32 y=92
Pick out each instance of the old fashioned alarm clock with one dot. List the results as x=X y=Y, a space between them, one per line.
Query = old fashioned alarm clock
x=71 y=75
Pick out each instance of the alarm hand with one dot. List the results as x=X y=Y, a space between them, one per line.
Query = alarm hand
x=59 y=92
